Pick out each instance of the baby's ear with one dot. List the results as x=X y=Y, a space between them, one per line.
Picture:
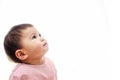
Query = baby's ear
x=20 y=54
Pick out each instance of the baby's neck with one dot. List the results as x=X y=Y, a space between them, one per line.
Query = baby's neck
x=36 y=62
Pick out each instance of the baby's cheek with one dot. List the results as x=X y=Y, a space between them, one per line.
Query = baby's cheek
x=38 y=48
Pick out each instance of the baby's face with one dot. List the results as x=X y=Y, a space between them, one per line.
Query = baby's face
x=33 y=43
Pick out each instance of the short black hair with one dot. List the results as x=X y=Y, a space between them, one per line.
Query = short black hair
x=12 y=41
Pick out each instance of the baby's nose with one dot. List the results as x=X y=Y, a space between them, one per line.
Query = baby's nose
x=41 y=39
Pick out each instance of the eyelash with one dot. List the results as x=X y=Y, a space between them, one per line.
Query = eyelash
x=40 y=35
x=34 y=37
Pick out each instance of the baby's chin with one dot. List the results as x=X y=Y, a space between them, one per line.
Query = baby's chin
x=45 y=51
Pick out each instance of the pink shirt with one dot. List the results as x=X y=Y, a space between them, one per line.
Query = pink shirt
x=45 y=71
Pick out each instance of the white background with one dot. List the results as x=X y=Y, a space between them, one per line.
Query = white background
x=83 y=35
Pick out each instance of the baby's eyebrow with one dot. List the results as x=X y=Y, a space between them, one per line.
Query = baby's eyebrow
x=33 y=33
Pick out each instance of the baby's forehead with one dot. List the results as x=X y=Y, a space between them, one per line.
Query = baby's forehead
x=29 y=31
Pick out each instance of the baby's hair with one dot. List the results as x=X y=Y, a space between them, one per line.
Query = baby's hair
x=12 y=41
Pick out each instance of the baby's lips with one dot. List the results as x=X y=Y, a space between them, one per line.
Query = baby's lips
x=45 y=44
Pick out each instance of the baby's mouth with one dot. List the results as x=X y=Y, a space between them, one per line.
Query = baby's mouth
x=45 y=44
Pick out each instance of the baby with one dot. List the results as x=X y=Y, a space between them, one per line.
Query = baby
x=25 y=46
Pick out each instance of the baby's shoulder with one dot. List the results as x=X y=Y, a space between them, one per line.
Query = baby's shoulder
x=22 y=68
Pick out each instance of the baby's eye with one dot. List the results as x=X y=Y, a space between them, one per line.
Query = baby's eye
x=34 y=37
x=40 y=35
